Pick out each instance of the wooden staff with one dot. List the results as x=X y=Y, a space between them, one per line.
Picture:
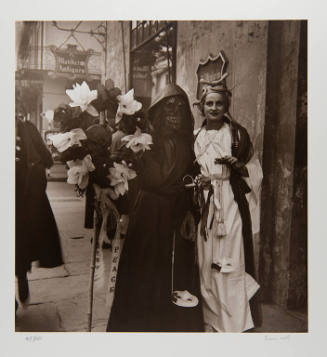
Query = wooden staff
x=97 y=219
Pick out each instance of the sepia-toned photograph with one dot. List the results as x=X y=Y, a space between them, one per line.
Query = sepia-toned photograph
x=161 y=176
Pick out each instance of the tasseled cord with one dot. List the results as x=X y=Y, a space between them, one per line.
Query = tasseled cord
x=221 y=229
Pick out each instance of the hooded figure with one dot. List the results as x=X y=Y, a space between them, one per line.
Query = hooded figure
x=146 y=275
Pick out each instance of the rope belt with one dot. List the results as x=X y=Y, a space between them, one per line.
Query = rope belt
x=221 y=230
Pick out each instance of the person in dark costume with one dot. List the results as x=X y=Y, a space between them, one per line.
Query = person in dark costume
x=37 y=237
x=143 y=296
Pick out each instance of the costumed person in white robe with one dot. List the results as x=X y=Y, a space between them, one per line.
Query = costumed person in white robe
x=228 y=187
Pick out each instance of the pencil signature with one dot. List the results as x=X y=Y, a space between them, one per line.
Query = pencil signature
x=285 y=338
x=33 y=338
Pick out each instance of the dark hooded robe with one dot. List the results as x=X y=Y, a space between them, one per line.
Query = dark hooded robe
x=37 y=237
x=144 y=281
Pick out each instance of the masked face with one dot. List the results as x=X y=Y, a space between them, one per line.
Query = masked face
x=174 y=111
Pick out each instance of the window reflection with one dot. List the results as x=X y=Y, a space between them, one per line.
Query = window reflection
x=152 y=58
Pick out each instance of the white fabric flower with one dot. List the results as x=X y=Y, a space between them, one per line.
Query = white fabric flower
x=82 y=96
x=138 y=141
x=78 y=173
x=63 y=141
x=127 y=105
x=119 y=176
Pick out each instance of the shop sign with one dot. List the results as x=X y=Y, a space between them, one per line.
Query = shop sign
x=71 y=60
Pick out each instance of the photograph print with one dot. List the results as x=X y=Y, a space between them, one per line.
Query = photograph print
x=161 y=176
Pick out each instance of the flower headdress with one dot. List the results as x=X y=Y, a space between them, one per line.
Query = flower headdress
x=214 y=86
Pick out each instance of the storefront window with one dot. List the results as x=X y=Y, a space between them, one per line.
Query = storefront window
x=153 y=45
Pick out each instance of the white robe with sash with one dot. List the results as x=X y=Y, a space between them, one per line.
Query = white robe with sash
x=225 y=293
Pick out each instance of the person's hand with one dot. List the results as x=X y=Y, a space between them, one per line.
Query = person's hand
x=202 y=180
x=123 y=223
x=231 y=160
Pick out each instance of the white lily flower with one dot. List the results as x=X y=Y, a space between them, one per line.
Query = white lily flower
x=63 y=141
x=82 y=96
x=87 y=161
x=138 y=141
x=119 y=176
x=127 y=105
x=78 y=173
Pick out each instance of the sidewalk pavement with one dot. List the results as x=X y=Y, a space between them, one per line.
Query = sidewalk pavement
x=57 y=173
x=59 y=296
